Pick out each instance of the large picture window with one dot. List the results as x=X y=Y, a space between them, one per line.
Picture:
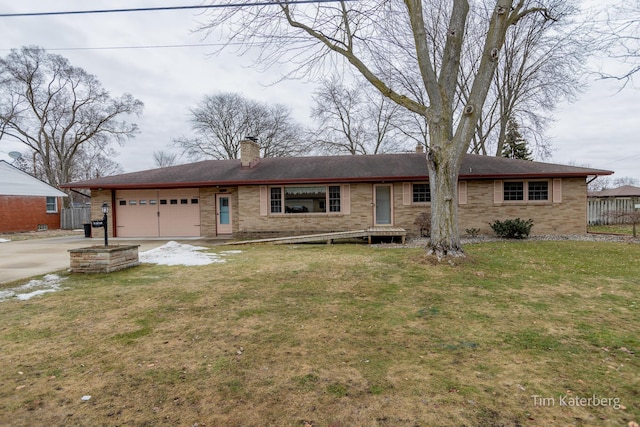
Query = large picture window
x=305 y=199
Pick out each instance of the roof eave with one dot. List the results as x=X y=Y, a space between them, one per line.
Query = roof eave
x=536 y=175
x=276 y=181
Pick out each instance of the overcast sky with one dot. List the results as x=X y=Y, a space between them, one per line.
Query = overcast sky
x=601 y=129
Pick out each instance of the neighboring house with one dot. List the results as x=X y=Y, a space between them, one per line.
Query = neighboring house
x=260 y=197
x=610 y=206
x=26 y=203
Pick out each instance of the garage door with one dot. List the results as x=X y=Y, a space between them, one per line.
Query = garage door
x=158 y=213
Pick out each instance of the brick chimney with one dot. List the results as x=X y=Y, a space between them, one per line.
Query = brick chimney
x=419 y=148
x=249 y=152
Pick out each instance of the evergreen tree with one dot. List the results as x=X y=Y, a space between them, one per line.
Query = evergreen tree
x=515 y=146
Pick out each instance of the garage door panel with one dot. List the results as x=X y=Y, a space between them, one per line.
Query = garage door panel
x=137 y=213
x=179 y=212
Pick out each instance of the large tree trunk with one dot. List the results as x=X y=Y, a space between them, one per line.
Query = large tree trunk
x=443 y=164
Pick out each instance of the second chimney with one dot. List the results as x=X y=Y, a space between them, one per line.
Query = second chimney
x=249 y=152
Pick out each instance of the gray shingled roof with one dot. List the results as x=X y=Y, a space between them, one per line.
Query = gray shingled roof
x=623 y=191
x=370 y=168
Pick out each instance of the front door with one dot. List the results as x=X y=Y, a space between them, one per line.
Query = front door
x=382 y=204
x=223 y=214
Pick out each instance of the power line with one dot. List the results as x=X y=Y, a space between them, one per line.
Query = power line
x=165 y=46
x=622 y=159
x=160 y=46
x=165 y=8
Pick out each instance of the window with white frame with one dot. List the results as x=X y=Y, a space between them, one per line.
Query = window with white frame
x=52 y=204
x=305 y=199
x=276 y=200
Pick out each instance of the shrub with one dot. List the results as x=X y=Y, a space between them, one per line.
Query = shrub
x=473 y=232
x=512 y=228
x=423 y=221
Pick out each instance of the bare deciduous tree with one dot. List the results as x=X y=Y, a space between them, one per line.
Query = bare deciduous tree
x=222 y=120
x=162 y=158
x=59 y=111
x=91 y=163
x=353 y=120
x=619 y=38
x=374 y=37
x=607 y=182
x=542 y=64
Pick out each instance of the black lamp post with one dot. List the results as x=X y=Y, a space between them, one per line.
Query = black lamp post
x=105 y=210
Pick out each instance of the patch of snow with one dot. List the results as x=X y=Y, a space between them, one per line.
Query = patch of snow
x=28 y=296
x=174 y=253
x=49 y=283
x=230 y=252
x=4 y=240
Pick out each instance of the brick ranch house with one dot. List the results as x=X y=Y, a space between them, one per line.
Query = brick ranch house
x=26 y=203
x=262 y=197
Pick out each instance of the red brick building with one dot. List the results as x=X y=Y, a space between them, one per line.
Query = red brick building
x=26 y=203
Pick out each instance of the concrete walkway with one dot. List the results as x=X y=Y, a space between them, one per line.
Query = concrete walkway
x=26 y=258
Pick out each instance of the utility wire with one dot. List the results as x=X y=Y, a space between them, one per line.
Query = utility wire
x=152 y=46
x=161 y=46
x=622 y=159
x=165 y=8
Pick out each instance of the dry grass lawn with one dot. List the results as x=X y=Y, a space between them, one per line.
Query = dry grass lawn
x=624 y=229
x=340 y=335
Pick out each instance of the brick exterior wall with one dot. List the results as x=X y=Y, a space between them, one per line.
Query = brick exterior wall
x=566 y=217
x=25 y=213
x=97 y=198
x=208 y=212
x=208 y=209
x=251 y=223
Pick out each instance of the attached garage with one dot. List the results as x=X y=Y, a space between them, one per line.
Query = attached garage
x=158 y=213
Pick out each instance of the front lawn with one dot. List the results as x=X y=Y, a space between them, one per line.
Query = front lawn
x=624 y=229
x=521 y=333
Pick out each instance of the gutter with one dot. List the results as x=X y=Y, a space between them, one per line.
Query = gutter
x=335 y=180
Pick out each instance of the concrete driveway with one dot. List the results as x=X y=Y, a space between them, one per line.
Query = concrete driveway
x=27 y=258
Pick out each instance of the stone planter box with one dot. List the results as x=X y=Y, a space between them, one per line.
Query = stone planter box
x=100 y=259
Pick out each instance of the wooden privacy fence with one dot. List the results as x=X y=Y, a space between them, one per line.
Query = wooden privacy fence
x=599 y=210
x=73 y=218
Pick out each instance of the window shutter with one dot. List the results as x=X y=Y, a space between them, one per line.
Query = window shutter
x=462 y=192
x=557 y=190
x=497 y=192
x=345 y=196
x=406 y=193
x=264 y=200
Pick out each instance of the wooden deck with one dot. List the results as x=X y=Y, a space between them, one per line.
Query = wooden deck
x=369 y=233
